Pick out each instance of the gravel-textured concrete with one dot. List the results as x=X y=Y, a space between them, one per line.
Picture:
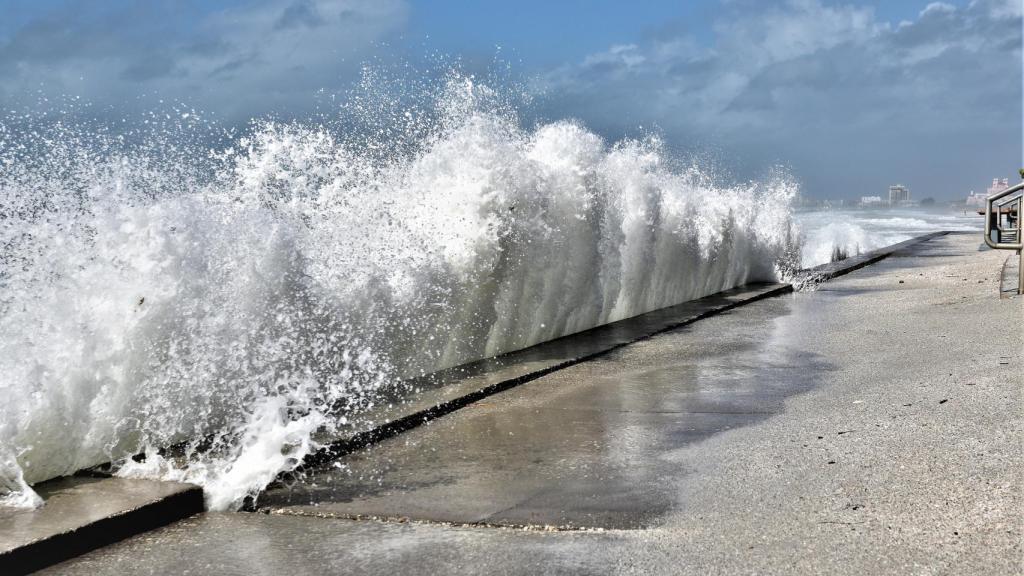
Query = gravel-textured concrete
x=898 y=451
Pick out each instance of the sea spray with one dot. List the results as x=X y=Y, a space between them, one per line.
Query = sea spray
x=829 y=235
x=159 y=293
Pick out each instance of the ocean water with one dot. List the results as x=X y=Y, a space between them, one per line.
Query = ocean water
x=156 y=290
x=826 y=233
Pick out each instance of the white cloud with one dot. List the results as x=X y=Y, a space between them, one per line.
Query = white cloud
x=625 y=54
x=820 y=86
x=1002 y=9
x=795 y=29
x=938 y=8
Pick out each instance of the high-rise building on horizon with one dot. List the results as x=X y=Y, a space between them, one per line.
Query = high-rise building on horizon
x=898 y=195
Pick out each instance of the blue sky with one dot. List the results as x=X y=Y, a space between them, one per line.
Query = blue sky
x=849 y=95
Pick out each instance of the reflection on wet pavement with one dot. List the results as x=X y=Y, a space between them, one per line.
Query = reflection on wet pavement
x=584 y=446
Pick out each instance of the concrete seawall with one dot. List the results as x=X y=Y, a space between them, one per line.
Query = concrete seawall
x=868 y=426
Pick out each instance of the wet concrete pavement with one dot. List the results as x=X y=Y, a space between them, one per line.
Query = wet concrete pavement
x=874 y=425
x=583 y=447
x=443 y=392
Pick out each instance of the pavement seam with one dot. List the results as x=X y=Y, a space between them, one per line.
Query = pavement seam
x=426 y=522
x=58 y=547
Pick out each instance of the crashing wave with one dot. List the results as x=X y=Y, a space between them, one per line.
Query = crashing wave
x=156 y=294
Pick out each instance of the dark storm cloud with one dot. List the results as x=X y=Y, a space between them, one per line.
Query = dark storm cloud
x=302 y=13
x=851 y=103
x=269 y=57
x=151 y=68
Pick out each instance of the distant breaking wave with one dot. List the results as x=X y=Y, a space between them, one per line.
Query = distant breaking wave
x=160 y=292
x=829 y=235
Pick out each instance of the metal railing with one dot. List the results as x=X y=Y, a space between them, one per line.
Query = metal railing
x=1003 y=212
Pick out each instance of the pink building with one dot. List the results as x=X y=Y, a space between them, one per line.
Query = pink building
x=998 y=186
x=978 y=199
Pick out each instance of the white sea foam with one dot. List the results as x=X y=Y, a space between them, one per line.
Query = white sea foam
x=155 y=294
x=829 y=234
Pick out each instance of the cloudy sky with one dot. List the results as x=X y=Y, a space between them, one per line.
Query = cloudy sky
x=850 y=95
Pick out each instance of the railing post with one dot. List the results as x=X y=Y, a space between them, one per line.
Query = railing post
x=1020 y=273
x=1020 y=239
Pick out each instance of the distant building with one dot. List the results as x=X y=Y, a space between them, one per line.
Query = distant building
x=870 y=200
x=899 y=195
x=976 y=199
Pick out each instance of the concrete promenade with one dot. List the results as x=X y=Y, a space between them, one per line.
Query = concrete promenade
x=872 y=426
